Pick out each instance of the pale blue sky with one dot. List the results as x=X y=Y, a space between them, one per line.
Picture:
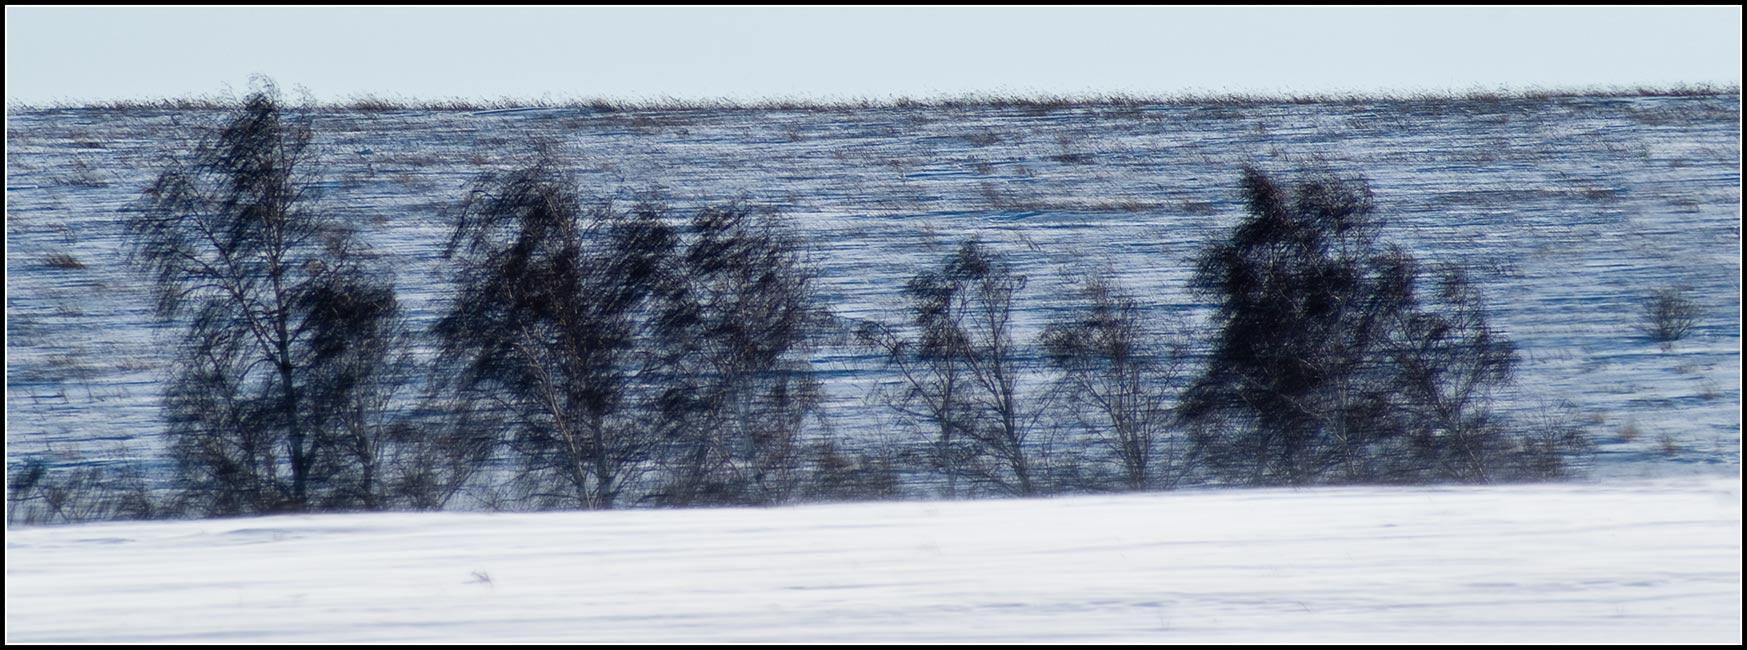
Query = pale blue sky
x=747 y=53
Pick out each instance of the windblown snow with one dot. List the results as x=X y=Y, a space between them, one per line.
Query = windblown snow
x=1630 y=562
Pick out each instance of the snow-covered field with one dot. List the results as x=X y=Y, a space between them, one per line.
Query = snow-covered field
x=1630 y=562
x=1568 y=210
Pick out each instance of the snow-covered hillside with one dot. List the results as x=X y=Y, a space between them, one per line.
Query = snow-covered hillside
x=1570 y=210
x=1633 y=562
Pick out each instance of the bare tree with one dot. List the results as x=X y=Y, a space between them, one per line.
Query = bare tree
x=280 y=386
x=737 y=324
x=962 y=370
x=541 y=343
x=1450 y=363
x=1118 y=375
x=931 y=390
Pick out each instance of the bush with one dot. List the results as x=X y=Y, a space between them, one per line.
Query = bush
x=38 y=492
x=1552 y=446
x=1669 y=315
x=838 y=475
x=64 y=261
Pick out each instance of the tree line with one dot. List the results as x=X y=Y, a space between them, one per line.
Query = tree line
x=597 y=356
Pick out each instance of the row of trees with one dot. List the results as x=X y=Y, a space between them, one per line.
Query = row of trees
x=602 y=352
x=606 y=347
x=596 y=357
x=1334 y=358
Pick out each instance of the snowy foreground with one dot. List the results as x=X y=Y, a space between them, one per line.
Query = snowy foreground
x=1634 y=562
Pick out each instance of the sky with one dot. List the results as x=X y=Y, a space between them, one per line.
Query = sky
x=73 y=54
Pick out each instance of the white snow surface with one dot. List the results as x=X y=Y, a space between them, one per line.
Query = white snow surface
x=1635 y=561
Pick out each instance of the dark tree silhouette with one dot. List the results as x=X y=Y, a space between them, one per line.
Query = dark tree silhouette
x=280 y=389
x=541 y=343
x=1331 y=364
x=736 y=327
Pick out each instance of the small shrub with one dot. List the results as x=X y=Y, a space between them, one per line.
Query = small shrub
x=83 y=172
x=839 y=474
x=1667 y=445
x=40 y=493
x=1669 y=315
x=1709 y=391
x=1629 y=432
x=1554 y=446
x=63 y=261
x=984 y=138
